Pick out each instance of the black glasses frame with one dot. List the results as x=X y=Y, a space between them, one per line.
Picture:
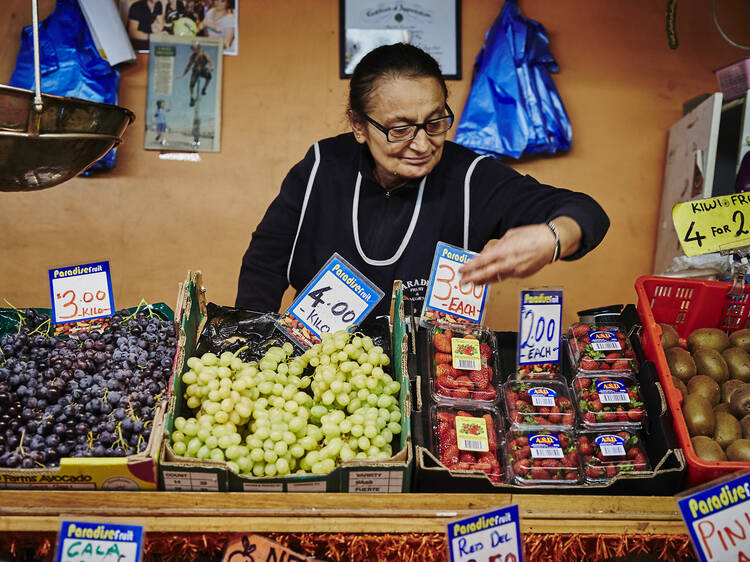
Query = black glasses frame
x=387 y=130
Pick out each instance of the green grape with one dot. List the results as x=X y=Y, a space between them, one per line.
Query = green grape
x=346 y=453
x=231 y=465
x=270 y=456
x=357 y=430
x=378 y=441
x=280 y=448
x=203 y=452
x=190 y=377
x=370 y=431
x=282 y=467
x=179 y=448
x=178 y=436
x=221 y=416
x=245 y=465
x=394 y=427
x=297 y=450
x=395 y=416
x=256 y=455
x=212 y=442
x=259 y=469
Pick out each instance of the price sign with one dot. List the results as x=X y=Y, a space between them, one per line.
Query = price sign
x=718 y=518
x=539 y=334
x=447 y=297
x=338 y=297
x=493 y=536
x=714 y=224
x=81 y=292
x=80 y=540
x=241 y=548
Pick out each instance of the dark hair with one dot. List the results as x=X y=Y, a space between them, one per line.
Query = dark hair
x=389 y=61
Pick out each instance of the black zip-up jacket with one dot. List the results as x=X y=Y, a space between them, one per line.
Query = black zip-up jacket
x=321 y=190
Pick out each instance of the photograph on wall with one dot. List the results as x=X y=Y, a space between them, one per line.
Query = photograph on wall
x=183 y=105
x=433 y=26
x=150 y=20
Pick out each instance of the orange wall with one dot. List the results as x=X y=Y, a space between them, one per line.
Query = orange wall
x=155 y=219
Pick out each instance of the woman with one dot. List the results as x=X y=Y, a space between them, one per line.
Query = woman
x=219 y=22
x=383 y=195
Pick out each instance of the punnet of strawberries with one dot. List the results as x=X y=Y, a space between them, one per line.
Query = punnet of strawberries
x=604 y=455
x=609 y=401
x=450 y=379
x=538 y=371
x=466 y=454
x=543 y=457
x=538 y=403
x=601 y=347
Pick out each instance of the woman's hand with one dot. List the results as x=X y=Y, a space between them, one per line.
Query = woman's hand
x=521 y=252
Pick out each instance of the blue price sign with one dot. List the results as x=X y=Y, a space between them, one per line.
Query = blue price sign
x=539 y=334
x=79 y=540
x=718 y=518
x=338 y=297
x=448 y=299
x=493 y=536
x=81 y=292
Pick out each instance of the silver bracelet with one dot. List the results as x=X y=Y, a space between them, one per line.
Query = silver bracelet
x=553 y=228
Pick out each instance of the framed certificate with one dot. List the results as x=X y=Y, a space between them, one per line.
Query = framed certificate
x=432 y=25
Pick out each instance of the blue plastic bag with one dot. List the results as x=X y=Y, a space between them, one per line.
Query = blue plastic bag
x=69 y=64
x=513 y=108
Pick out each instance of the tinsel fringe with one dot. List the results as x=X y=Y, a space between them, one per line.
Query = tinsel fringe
x=341 y=547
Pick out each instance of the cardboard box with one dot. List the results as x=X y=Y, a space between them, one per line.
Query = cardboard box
x=180 y=473
x=666 y=457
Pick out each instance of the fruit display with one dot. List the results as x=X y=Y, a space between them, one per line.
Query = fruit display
x=538 y=403
x=542 y=457
x=606 y=454
x=712 y=372
x=467 y=440
x=89 y=394
x=609 y=401
x=287 y=414
x=601 y=348
x=463 y=363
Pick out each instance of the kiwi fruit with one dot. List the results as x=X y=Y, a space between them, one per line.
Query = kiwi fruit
x=708 y=449
x=721 y=407
x=739 y=401
x=710 y=362
x=727 y=429
x=741 y=338
x=706 y=387
x=745 y=425
x=728 y=387
x=699 y=416
x=669 y=336
x=679 y=385
x=681 y=363
x=739 y=450
x=738 y=363
x=708 y=337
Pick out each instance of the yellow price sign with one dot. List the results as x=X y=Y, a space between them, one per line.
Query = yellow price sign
x=714 y=224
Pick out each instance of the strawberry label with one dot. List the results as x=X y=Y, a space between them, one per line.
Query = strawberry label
x=545 y=446
x=466 y=354
x=543 y=396
x=471 y=434
x=611 y=445
x=612 y=392
x=604 y=340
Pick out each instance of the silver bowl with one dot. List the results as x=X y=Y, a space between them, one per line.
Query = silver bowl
x=40 y=149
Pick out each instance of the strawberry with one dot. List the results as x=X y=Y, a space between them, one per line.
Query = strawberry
x=461 y=393
x=579 y=330
x=486 y=394
x=446 y=417
x=442 y=342
x=445 y=369
x=450 y=456
x=589 y=417
x=480 y=378
x=589 y=364
x=609 y=417
x=441 y=357
x=521 y=468
x=467 y=457
x=611 y=470
x=485 y=352
x=610 y=357
x=621 y=365
x=596 y=405
x=464 y=382
x=635 y=415
x=444 y=383
x=539 y=474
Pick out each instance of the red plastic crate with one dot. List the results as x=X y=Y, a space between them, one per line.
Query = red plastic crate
x=688 y=304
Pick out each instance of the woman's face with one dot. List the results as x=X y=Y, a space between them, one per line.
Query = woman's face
x=403 y=101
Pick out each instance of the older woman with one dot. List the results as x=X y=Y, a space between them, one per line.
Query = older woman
x=383 y=195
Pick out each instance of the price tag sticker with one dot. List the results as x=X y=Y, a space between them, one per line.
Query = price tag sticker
x=448 y=299
x=79 y=540
x=714 y=224
x=81 y=292
x=491 y=536
x=717 y=516
x=337 y=298
x=539 y=334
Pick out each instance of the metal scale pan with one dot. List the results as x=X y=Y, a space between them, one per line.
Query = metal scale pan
x=45 y=139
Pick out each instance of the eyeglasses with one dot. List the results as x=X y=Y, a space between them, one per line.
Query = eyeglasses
x=403 y=133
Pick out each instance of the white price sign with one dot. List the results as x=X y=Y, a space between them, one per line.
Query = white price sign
x=539 y=334
x=81 y=292
x=338 y=297
x=718 y=518
x=447 y=297
x=494 y=536
x=81 y=540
